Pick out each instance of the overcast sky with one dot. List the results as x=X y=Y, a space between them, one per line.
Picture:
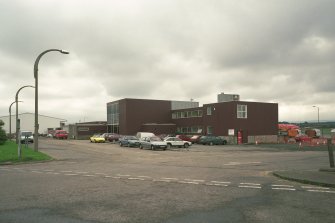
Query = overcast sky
x=279 y=51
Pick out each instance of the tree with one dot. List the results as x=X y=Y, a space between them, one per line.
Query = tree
x=3 y=136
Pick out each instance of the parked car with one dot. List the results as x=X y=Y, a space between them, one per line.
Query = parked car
x=184 y=137
x=141 y=135
x=60 y=134
x=153 y=143
x=176 y=142
x=97 y=138
x=113 y=137
x=212 y=140
x=130 y=141
x=27 y=136
x=195 y=139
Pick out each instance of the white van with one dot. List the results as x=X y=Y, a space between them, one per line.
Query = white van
x=140 y=135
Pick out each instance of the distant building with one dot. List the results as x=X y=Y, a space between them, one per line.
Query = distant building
x=27 y=121
x=84 y=130
x=252 y=121
x=228 y=97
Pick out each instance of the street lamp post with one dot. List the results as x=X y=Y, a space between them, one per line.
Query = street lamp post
x=318 y=113
x=10 y=119
x=36 y=93
x=17 y=111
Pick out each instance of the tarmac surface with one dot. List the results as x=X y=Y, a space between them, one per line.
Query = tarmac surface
x=324 y=177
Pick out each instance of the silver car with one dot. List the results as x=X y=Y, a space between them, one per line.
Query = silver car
x=153 y=143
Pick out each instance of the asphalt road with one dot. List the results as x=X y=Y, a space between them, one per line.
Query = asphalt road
x=90 y=182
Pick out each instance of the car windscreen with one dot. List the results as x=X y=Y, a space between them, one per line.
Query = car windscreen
x=26 y=134
x=155 y=139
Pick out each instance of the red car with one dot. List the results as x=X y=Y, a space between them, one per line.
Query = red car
x=113 y=137
x=184 y=137
x=302 y=138
x=60 y=134
x=195 y=139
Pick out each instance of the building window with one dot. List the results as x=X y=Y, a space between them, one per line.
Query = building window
x=242 y=111
x=209 y=130
x=209 y=110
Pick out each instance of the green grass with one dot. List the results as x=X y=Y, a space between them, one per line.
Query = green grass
x=8 y=153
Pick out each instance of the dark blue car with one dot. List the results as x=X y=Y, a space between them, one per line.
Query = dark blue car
x=130 y=141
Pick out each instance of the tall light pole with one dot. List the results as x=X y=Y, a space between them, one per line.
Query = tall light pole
x=17 y=111
x=10 y=119
x=318 y=113
x=36 y=93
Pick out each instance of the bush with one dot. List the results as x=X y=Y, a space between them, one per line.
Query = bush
x=3 y=137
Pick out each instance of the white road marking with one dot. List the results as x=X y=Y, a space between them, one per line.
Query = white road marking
x=188 y=182
x=144 y=177
x=116 y=177
x=108 y=176
x=88 y=175
x=48 y=170
x=278 y=185
x=100 y=173
x=66 y=171
x=281 y=188
x=135 y=178
x=313 y=187
x=213 y=184
x=168 y=181
x=220 y=182
x=55 y=173
x=322 y=191
x=252 y=184
x=254 y=187
x=166 y=178
x=194 y=180
x=71 y=174
x=81 y=172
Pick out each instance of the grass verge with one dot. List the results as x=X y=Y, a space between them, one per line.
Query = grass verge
x=8 y=154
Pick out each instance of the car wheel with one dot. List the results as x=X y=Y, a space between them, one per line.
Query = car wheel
x=121 y=144
x=141 y=147
x=224 y=142
x=152 y=147
x=211 y=143
x=169 y=145
x=186 y=145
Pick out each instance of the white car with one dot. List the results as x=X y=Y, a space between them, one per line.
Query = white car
x=176 y=142
x=153 y=143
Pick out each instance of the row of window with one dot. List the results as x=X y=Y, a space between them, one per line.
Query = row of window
x=187 y=114
x=242 y=112
x=194 y=130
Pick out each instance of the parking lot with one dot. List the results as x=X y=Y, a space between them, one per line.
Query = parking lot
x=103 y=182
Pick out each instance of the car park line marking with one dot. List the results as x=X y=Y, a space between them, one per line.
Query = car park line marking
x=245 y=186
x=107 y=176
x=313 y=187
x=194 y=180
x=6 y=169
x=252 y=184
x=48 y=170
x=278 y=185
x=155 y=180
x=322 y=191
x=123 y=175
x=70 y=174
x=81 y=172
x=285 y=188
x=214 y=184
x=116 y=177
x=188 y=182
x=166 y=178
x=144 y=176
x=55 y=173
x=220 y=182
x=66 y=171
x=135 y=178
x=88 y=175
